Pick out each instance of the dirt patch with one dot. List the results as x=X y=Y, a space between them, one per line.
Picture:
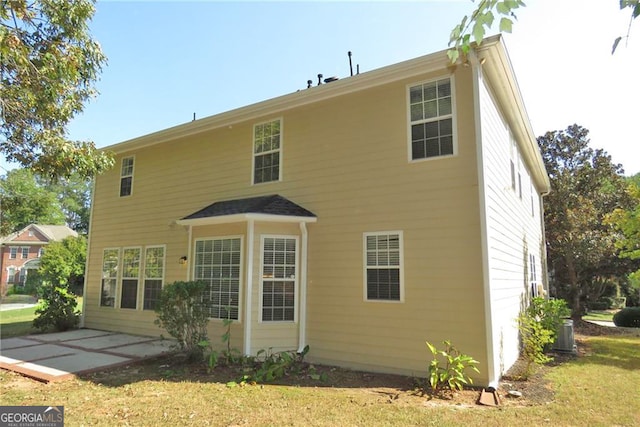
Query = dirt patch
x=364 y=387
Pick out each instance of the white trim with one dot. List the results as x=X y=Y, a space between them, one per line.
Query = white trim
x=86 y=262
x=453 y=114
x=144 y=269
x=296 y=279
x=133 y=169
x=118 y=268
x=189 y=254
x=493 y=379
x=228 y=219
x=123 y=278
x=279 y=150
x=192 y=267
x=249 y=295
x=400 y=266
x=302 y=300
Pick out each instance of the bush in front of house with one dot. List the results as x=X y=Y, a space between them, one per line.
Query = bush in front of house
x=181 y=313
x=628 y=317
x=56 y=309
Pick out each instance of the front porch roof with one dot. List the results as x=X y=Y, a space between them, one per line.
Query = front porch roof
x=274 y=208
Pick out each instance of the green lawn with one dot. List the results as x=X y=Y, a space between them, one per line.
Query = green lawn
x=599 y=315
x=600 y=388
x=16 y=323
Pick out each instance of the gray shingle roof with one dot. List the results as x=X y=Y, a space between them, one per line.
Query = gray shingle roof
x=269 y=205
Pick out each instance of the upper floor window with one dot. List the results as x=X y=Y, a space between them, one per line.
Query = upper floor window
x=25 y=252
x=13 y=252
x=267 y=146
x=383 y=266
x=126 y=177
x=431 y=119
x=40 y=252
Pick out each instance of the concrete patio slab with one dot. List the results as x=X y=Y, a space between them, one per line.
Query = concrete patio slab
x=60 y=356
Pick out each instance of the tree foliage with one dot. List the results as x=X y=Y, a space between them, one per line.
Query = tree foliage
x=48 y=66
x=627 y=221
x=26 y=198
x=23 y=201
x=63 y=262
x=586 y=187
x=473 y=27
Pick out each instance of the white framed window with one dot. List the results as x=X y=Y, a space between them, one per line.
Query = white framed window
x=13 y=252
x=22 y=276
x=110 y=258
x=40 y=252
x=126 y=176
x=267 y=151
x=431 y=119
x=278 y=282
x=383 y=266
x=218 y=264
x=533 y=275
x=130 y=277
x=153 y=276
x=25 y=252
x=513 y=160
x=11 y=275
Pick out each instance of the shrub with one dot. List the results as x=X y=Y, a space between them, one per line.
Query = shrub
x=452 y=374
x=181 y=313
x=628 y=317
x=604 y=303
x=56 y=309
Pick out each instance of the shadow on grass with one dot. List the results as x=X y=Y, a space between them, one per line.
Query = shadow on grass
x=617 y=351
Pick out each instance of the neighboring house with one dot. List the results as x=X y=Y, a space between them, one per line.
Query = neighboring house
x=362 y=217
x=21 y=251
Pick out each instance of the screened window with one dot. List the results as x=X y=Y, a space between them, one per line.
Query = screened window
x=13 y=252
x=431 y=111
x=267 y=151
x=153 y=276
x=383 y=266
x=126 y=177
x=25 y=252
x=217 y=263
x=109 y=277
x=279 y=278
x=130 y=277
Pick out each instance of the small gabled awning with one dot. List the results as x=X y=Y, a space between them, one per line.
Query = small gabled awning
x=273 y=208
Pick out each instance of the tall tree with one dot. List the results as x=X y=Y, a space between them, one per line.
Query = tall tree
x=627 y=221
x=23 y=200
x=586 y=186
x=48 y=67
x=74 y=196
x=63 y=262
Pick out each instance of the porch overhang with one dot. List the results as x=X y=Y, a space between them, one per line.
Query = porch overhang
x=273 y=208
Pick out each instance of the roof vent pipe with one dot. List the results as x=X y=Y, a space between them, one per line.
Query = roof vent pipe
x=309 y=83
x=350 y=63
x=319 y=79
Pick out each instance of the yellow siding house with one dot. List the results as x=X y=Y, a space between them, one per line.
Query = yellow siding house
x=361 y=217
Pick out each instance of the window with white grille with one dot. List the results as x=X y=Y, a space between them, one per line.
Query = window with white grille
x=431 y=119
x=130 y=277
x=126 y=177
x=109 y=277
x=153 y=276
x=267 y=150
x=279 y=272
x=383 y=266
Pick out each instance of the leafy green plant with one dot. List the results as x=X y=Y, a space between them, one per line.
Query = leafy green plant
x=272 y=366
x=229 y=355
x=182 y=315
x=447 y=368
x=539 y=325
x=56 y=309
x=628 y=317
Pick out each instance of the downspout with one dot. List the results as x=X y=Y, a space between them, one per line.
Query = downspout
x=248 y=304
x=86 y=262
x=543 y=261
x=302 y=331
x=189 y=244
x=486 y=277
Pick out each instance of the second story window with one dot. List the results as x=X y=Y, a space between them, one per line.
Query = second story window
x=13 y=252
x=25 y=252
x=267 y=145
x=431 y=119
x=126 y=177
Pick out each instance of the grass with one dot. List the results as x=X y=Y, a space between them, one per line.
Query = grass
x=599 y=315
x=19 y=322
x=597 y=389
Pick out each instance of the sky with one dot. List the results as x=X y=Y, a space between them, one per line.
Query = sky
x=169 y=60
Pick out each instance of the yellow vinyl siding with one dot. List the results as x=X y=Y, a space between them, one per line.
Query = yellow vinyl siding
x=346 y=160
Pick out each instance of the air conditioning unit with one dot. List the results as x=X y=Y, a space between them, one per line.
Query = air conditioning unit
x=565 y=342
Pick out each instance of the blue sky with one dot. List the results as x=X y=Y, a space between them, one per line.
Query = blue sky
x=168 y=60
